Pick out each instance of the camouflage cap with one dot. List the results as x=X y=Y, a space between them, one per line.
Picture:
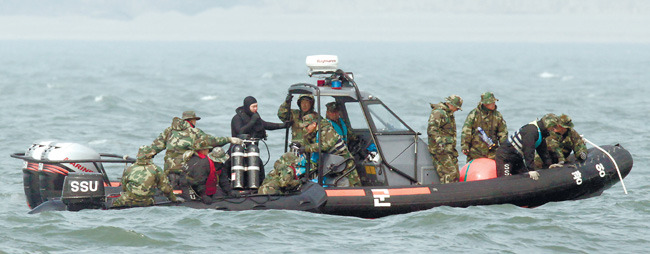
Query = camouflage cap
x=308 y=119
x=332 y=107
x=201 y=144
x=455 y=100
x=218 y=155
x=565 y=121
x=188 y=115
x=145 y=153
x=550 y=120
x=488 y=98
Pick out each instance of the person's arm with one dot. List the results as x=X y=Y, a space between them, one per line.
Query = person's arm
x=502 y=130
x=239 y=127
x=163 y=184
x=274 y=126
x=529 y=136
x=467 y=132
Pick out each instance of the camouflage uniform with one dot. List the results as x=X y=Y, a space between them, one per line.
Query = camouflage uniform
x=332 y=143
x=180 y=137
x=492 y=123
x=286 y=114
x=140 y=180
x=282 y=178
x=560 y=146
x=442 y=139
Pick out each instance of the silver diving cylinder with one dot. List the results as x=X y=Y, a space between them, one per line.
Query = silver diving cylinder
x=253 y=169
x=237 y=167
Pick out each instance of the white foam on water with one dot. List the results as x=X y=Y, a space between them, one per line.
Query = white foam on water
x=99 y=98
x=547 y=75
x=209 y=98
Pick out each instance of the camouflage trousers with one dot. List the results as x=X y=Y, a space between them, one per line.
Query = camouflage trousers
x=353 y=177
x=447 y=166
x=126 y=200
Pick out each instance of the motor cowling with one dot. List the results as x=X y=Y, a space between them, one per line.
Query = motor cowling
x=31 y=179
x=83 y=191
x=52 y=175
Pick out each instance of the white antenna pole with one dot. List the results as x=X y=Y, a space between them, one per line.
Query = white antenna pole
x=611 y=158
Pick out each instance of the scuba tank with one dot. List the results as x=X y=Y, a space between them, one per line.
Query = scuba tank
x=253 y=168
x=238 y=166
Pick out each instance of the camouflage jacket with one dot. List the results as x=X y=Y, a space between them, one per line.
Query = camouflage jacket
x=177 y=139
x=442 y=130
x=492 y=122
x=285 y=113
x=331 y=141
x=284 y=175
x=561 y=146
x=141 y=179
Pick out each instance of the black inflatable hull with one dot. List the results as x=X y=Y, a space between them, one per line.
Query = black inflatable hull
x=572 y=182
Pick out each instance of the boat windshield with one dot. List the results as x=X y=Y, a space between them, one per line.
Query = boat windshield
x=384 y=120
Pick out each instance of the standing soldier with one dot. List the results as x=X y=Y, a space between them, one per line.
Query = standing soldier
x=560 y=145
x=283 y=178
x=484 y=129
x=140 y=181
x=332 y=143
x=442 y=138
x=179 y=138
x=286 y=114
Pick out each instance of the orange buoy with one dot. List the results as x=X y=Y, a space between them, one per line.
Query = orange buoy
x=478 y=169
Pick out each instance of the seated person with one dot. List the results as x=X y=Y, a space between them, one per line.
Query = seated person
x=282 y=179
x=140 y=181
x=332 y=143
x=203 y=171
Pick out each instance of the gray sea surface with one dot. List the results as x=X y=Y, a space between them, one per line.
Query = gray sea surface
x=117 y=96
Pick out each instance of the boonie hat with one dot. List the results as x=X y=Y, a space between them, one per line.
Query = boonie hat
x=455 y=100
x=565 y=121
x=488 y=98
x=188 y=115
x=218 y=155
x=550 y=120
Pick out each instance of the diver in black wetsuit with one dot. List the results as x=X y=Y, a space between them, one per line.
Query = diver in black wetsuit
x=247 y=121
x=516 y=156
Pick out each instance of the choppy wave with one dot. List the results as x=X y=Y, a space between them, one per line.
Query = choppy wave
x=129 y=97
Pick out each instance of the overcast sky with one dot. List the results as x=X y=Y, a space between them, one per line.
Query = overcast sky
x=337 y=20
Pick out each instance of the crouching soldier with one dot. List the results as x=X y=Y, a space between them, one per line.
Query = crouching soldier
x=561 y=144
x=283 y=178
x=140 y=181
x=332 y=143
x=203 y=170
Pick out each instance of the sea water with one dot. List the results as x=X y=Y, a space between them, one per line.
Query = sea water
x=117 y=96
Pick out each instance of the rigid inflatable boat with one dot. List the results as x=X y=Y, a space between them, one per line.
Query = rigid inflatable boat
x=397 y=174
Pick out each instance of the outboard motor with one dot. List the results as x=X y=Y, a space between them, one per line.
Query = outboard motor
x=253 y=168
x=31 y=182
x=238 y=168
x=83 y=191
x=51 y=176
